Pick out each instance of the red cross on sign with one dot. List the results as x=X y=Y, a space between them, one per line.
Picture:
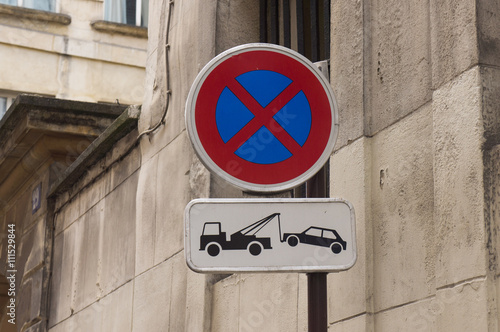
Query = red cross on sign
x=262 y=117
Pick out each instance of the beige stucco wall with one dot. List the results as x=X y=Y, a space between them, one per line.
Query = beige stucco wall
x=71 y=61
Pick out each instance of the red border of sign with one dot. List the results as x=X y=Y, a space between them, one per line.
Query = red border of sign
x=201 y=106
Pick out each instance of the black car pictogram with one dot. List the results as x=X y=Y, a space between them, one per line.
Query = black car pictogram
x=317 y=236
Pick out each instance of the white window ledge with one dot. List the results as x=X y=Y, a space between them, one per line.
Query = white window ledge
x=124 y=29
x=33 y=14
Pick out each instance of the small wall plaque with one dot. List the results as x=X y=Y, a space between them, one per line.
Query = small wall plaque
x=36 y=198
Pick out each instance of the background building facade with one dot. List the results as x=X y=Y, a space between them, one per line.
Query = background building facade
x=417 y=85
x=90 y=51
x=80 y=50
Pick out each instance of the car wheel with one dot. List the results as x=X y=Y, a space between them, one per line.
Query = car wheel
x=255 y=248
x=336 y=248
x=213 y=249
x=292 y=240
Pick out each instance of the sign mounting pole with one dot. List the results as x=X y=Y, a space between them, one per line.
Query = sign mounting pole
x=317 y=301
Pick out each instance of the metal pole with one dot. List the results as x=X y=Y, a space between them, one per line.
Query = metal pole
x=317 y=304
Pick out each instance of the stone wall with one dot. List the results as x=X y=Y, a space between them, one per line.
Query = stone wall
x=91 y=287
x=29 y=270
x=168 y=297
x=40 y=137
x=419 y=171
x=417 y=156
x=416 y=86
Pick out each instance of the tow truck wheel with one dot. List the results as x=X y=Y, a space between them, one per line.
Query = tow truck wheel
x=292 y=240
x=336 y=248
x=213 y=249
x=255 y=248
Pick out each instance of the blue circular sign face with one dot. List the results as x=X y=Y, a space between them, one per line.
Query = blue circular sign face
x=262 y=117
x=263 y=147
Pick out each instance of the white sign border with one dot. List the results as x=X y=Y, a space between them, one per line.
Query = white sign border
x=284 y=269
x=212 y=166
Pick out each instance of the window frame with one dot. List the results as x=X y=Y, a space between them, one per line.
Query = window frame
x=9 y=100
x=20 y=3
x=138 y=13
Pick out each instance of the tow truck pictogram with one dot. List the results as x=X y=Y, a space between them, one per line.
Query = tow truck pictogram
x=214 y=240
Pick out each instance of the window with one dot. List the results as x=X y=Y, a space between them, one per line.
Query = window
x=211 y=228
x=3 y=106
x=132 y=12
x=46 y=5
x=314 y=232
x=329 y=234
x=5 y=103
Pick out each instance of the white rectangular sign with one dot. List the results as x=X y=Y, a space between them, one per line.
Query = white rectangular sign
x=269 y=235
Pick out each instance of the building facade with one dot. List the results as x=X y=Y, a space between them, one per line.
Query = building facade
x=80 y=50
x=91 y=56
x=417 y=84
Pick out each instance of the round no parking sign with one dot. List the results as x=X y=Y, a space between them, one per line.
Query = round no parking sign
x=262 y=117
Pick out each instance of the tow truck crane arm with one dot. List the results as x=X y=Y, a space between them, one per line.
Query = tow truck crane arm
x=258 y=225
